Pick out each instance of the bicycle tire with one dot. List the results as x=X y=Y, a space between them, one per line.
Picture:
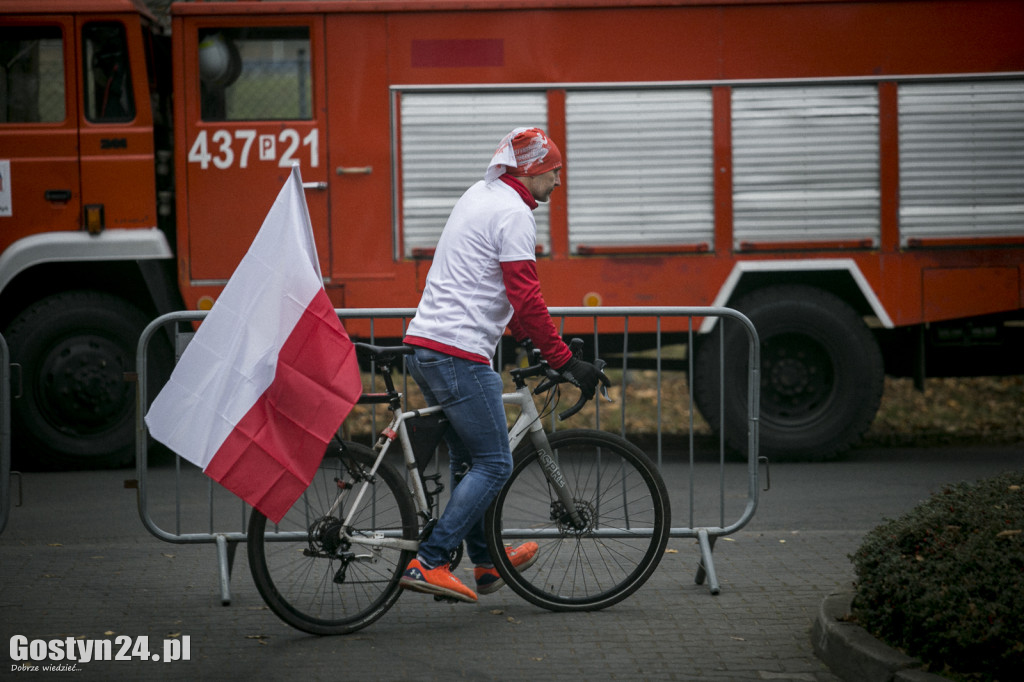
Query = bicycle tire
x=298 y=576
x=622 y=495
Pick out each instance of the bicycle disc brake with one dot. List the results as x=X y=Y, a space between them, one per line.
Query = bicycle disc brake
x=563 y=517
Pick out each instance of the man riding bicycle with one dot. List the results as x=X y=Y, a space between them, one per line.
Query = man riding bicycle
x=482 y=279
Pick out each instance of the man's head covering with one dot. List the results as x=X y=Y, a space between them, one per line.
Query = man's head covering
x=524 y=152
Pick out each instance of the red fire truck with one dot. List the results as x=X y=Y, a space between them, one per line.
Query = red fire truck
x=848 y=174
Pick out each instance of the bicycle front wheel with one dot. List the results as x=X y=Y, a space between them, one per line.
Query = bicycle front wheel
x=615 y=542
x=312 y=577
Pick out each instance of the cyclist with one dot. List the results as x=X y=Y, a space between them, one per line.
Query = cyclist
x=484 y=278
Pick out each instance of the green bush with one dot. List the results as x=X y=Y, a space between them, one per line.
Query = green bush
x=945 y=583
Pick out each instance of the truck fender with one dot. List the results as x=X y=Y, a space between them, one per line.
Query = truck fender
x=725 y=293
x=109 y=245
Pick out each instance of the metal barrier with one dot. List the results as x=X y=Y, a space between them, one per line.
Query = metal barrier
x=5 y=433
x=191 y=500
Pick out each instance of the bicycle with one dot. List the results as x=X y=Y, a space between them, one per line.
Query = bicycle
x=595 y=504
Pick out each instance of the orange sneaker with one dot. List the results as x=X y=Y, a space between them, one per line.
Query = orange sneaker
x=487 y=578
x=437 y=581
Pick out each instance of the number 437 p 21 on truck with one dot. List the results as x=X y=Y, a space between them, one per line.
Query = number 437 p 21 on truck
x=850 y=175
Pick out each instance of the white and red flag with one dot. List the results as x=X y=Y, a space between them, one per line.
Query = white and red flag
x=269 y=375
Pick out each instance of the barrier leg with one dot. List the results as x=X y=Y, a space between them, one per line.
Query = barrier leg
x=225 y=559
x=707 y=565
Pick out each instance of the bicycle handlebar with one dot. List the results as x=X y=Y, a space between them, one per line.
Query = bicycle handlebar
x=602 y=388
x=553 y=377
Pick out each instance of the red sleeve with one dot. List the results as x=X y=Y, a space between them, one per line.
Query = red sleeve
x=530 y=319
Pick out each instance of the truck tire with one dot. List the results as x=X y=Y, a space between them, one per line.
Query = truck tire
x=821 y=375
x=75 y=408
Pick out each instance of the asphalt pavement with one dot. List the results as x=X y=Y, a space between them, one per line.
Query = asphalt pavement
x=76 y=562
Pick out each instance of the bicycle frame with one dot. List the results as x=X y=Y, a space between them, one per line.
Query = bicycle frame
x=527 y=424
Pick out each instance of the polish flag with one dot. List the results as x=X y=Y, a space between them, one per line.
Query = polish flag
x=270 y=374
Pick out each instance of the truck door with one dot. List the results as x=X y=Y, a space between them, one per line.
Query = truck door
x=115 y=129
x=253 y=106
x=39 y=167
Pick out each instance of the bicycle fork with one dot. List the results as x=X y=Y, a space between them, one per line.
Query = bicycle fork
x=563 y=507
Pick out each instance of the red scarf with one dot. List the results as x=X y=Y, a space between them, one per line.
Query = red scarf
x=521 y=189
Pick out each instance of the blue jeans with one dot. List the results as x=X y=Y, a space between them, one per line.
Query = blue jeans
x=470 y=393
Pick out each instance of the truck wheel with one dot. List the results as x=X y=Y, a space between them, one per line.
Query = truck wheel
x=821 y=374
x=75 y=408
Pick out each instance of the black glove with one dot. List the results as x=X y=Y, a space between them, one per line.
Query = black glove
x=582 y=374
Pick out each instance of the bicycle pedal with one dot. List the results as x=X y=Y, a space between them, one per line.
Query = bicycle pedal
x=450 y=600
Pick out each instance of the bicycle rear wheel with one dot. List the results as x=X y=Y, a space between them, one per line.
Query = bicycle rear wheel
x=621 y=497
x=312 y=578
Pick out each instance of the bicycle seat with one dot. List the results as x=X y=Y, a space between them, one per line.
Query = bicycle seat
x=382 y=353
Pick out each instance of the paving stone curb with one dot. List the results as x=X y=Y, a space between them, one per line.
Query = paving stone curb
x=853 y=654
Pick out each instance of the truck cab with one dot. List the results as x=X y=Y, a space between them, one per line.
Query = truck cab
x=86 y=230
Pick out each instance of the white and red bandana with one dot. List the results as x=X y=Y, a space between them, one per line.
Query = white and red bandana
x=524 y=152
